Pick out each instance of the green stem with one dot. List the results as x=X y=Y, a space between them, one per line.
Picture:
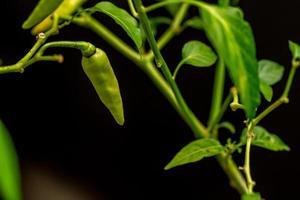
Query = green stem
x=173 y=30
x=284 y=97
x=290 y=80
x=42 y=38
x=165 y=3
x=247 y=168
x=237 y=180
x=86 y=48
x=219 y=116
x=178 y=68
x=198 y=130
x=217 y=95
x=132 y=9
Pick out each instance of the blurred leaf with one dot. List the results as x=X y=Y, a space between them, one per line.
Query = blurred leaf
x=233 y=39
x=264 y=139
x=266 y=90
x=10 y=184
x=195 y=151
x=270 y=72
x=295 y=49
x=194 y=22
x=227 y=125
x=224 y=2
x=253 y=196
x=198 y=54
x=42 y=10
x=123 y=18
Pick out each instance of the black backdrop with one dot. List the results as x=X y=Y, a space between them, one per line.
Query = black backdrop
x=60 y=127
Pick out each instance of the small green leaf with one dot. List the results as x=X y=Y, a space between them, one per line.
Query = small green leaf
x=227 y=125
x=252 y=196
x=233 y=39
x=264 y=139
x=266 y=90
x=10 y=188
x=198 y=54
x=195 y=151
x=295 y=49
x=40 y=12
x=123 y=18
x=194 y=22
x=270 y=72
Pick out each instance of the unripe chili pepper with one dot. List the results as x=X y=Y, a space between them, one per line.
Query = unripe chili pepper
x=98 y=69
x=40 y=12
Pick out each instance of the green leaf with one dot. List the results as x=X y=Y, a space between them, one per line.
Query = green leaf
x=295 y=49
x=252 y=196
x=194 y=22
x=42 y=10
x=123 y=18
x=269 y=71
x=10 y=187
x=224 y=3
x=198 y=54
x=264 y=139
x=227 y=125
x=266 y=90
x=233 y=39
x=196 y=151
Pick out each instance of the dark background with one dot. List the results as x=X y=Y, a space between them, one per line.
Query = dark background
x=68 y=143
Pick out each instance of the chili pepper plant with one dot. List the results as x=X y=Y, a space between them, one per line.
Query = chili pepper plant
x=228 y=47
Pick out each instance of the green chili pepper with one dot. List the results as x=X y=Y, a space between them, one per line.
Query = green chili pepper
x=98 y=69
x=66 y=8
x=40 y=12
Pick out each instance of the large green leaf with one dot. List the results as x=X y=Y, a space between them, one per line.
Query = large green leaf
x=295 y=49
x=269 y=71
x=232 y=37
x=123 y=18
x=196 y=151
x=198 y=54
x=264 y=139
x=10 y=187
x=252 y=196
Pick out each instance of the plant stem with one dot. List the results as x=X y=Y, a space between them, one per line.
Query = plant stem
x=165 y=3
x=41 y=39
x=284 y=97
x=86 y=48
x=247 y=168
x=178 y=67
x=172 y=30
x=223 y=108
x=198 y=130
x=132 y=9
x=237 y=180
x=217 y=95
